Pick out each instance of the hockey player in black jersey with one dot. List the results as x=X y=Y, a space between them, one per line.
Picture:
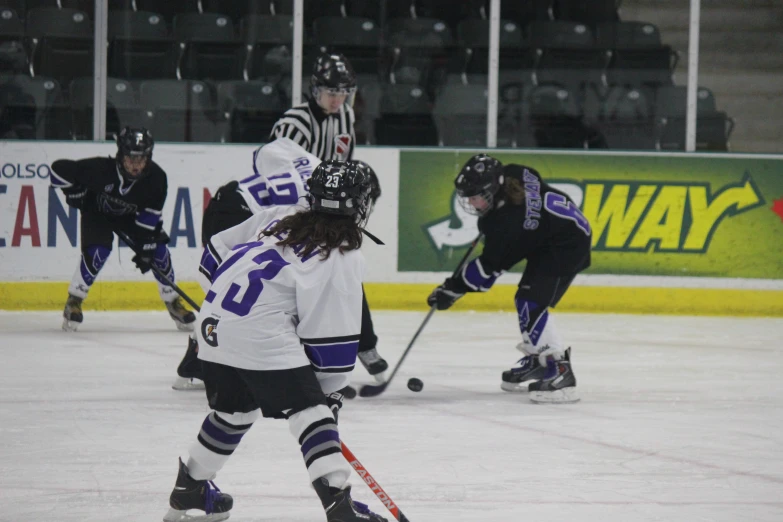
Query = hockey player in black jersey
x=522 y=217
x=124 y=193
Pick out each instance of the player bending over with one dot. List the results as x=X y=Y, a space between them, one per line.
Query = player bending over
x=522 y=217
x=280 y=172
x=278 y=334
x=124 y=193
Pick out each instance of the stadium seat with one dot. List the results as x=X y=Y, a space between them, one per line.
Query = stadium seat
x=374 y=10
x=671 y=100
x=642 y=66
x=357 y=38
x=624 y=118
x=565 y=54
x=525 y=12
x=405 y=117
x=238 y=9
x=627 y=35
x=460 y=114
x=122 y=5
x=556 y=118
x=712 y=132
x=168 y=8
x=13 y=55
x=450 y=11
x=367 y=107
x=588 y=12
x=250 y=109
x=418 y=51
x=61 y=43
x=473 y=39
x=122 y=107
x=33 y=108
x=180 y=110
x=139 y=25
x=210 y=49
x=268 y=43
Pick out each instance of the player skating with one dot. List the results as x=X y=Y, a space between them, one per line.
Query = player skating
x=124 y=193
x=281 y=170
x=278 y=333
x=522 y=217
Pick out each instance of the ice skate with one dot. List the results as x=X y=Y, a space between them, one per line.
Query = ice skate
x=201 y=496
x=374 y=364
x=340 y=507
x=72 y=314
x=189 y=374
x=183 y=318
x=529 y=369
x=558 y=386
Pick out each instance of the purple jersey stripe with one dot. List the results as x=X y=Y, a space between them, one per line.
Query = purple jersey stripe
x=147 y=219
x=208 y=264
x=219 y=435
x=332 y=355
x=475 y=277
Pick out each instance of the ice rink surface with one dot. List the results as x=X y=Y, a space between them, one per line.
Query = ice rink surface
x=681 y=419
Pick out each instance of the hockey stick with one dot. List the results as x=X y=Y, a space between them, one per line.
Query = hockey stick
x=122 y=235
x=373 y=485
x=373 y=390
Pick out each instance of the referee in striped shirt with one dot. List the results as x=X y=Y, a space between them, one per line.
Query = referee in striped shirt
x=324 y=127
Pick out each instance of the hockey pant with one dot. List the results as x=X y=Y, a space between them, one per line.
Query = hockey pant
x=310 y=420
x=537 y=293
x=97 y=234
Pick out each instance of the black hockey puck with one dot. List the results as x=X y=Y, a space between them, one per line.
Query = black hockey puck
x=415 y=385
x=349 y=392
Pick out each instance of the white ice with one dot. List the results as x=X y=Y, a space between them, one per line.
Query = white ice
x=681 y=419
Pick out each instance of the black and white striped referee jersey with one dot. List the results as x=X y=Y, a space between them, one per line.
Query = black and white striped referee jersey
x=328 y=136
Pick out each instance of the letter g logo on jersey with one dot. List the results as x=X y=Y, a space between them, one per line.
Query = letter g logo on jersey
x=209 y=331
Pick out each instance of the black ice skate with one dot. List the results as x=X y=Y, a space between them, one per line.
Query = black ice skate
x=374 y=364
x=183 y=318
x=558 y=386
x=72 y=314
x=189 y=373
x=202 y=495
x=340 y=507
x=529 y=369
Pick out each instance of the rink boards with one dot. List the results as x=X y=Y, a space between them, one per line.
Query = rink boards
x=672 y=233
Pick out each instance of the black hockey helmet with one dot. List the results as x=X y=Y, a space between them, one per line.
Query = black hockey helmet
x=482 y=176
x=333 y=72
x=375 y=184
x=136 y=144
x=342 y=188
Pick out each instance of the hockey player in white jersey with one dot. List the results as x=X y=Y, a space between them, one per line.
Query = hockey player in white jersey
x=278 y=335
x=280 y=173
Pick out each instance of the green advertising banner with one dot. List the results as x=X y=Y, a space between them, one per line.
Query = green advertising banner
x=651 y=215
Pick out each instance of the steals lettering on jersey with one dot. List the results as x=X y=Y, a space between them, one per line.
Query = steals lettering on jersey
x=532 y=201
x=342 y=146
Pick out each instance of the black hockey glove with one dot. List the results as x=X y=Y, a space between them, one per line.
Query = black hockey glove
x=145 y=251
x=76 y=196
x=445 y=295
x=335 y=401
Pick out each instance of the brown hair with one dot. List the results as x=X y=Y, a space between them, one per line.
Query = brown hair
x=311 y=231
x=513 y=190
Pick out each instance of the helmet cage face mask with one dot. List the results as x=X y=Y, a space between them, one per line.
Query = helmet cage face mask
x=481 y=176
x=135 y=145
x=333 y=75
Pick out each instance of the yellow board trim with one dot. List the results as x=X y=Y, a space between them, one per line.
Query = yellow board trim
x=402 y=296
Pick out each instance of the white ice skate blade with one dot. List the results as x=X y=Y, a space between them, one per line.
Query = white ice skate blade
x=514 y=387
x=177 y=515
x=186 y=384
x=70 y=326
x=564 y=396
